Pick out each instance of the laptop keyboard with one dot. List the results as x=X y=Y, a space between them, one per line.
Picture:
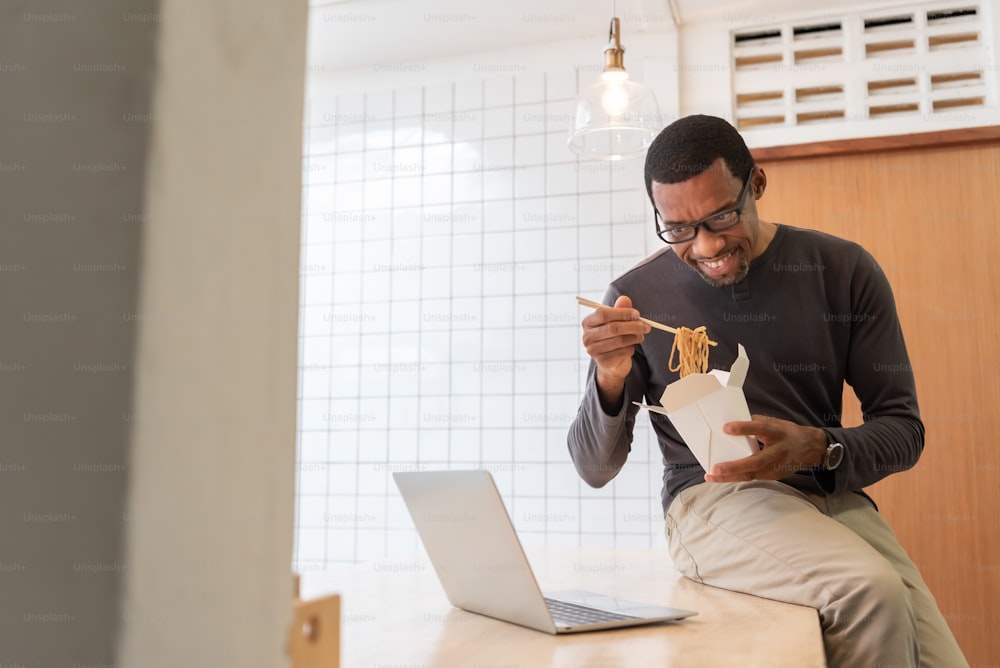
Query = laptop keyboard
x=572 y=614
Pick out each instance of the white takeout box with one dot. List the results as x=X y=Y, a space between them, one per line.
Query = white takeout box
x=699 y=404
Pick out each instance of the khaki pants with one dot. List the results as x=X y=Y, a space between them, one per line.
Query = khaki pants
x=835 y=554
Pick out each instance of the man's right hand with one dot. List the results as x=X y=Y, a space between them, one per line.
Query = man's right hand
x=609 y=335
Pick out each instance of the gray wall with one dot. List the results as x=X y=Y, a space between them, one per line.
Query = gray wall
x=149 y=192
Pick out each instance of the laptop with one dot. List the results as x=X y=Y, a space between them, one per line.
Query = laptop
x=468 y=535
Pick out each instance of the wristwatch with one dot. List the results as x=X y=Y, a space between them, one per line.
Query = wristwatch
x=834 y=455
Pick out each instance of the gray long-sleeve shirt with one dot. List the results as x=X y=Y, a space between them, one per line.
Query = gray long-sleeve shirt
x=814 y=312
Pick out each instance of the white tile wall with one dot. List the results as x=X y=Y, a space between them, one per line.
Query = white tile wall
x=446 y=230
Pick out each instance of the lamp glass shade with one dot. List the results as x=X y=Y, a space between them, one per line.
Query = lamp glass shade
x=616 y=118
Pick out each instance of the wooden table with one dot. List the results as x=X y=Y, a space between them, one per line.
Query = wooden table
x=395 y=615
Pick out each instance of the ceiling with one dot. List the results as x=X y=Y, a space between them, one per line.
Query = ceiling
x=345 y=34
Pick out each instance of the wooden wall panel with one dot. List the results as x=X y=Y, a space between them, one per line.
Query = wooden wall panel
x=931 y=217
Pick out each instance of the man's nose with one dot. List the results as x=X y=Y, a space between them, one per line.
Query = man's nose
x=707 y=243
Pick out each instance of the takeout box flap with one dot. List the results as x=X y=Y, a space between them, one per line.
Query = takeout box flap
x=738 y=371
x=655 y=409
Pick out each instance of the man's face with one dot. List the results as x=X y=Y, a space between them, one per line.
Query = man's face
x=721 y=258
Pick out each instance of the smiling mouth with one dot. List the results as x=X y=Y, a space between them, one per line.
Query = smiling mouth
x=717 y=263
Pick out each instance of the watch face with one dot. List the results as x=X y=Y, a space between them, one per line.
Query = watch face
x=834 y=455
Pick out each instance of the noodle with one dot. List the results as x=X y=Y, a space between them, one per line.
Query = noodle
x=691 y=349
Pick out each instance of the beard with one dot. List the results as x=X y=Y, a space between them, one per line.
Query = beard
x=742 y=269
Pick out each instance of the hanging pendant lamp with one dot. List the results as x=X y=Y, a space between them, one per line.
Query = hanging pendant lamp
x=616 y=117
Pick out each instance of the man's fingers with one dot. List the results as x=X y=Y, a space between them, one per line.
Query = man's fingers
x=624 y=328
x=605 y=316
x=761 y=426
x=618 y=334
x=742 y=428
x=753 y=462
x=763 y=465
x=623 y=301
x=624 y=345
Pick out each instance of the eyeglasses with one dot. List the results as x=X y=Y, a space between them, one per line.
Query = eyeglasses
x=717 y=222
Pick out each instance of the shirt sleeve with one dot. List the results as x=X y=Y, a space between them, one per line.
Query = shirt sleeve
x=878 y=369
x=599 y=443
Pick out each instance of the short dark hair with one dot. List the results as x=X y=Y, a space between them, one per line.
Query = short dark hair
x=689 y=146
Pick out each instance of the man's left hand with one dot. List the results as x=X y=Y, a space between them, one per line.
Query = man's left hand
x=786 y=448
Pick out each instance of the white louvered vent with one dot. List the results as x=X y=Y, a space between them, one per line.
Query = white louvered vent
x=920 y=62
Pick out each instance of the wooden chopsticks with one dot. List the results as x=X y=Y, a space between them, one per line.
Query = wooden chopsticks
x=651 y=323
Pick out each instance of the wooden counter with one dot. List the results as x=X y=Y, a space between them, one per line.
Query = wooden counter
x=395 y=615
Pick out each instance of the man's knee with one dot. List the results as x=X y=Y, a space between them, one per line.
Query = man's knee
x=872 y=594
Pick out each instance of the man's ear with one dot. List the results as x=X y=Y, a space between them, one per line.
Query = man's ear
x=758 y=182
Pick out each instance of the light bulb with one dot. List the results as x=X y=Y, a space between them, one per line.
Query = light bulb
x=614 y=101
x=615 y=98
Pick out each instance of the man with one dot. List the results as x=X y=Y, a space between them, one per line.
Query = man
x=813 y=311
